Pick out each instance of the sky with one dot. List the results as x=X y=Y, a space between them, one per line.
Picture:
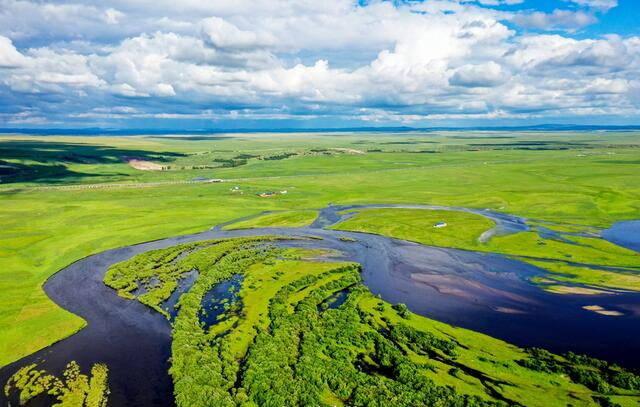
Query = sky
x=209 y=64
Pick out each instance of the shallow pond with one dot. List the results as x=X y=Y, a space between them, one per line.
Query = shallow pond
x=224 y=297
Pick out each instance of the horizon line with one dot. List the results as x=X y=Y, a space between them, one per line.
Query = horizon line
x=398 y=129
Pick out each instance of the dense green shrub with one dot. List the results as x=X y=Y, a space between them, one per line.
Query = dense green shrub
x=402 y=310
x=597 y=375
x=306 y=353
x=73 y=390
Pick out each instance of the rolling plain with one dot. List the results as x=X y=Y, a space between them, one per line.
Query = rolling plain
x=65 y=198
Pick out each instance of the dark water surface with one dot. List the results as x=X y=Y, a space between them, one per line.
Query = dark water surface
x=219 y=299
x=184 y=285
x=335 y=300
x=484 y=292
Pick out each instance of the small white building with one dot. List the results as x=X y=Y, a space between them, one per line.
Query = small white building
x=440 y=225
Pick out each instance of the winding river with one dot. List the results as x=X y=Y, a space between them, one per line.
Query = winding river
x=485 y=292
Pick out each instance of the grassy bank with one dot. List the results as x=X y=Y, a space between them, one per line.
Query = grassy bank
x=462 y=230
x=284 y=219
x=431 y=227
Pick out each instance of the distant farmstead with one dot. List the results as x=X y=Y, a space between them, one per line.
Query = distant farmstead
x=440 y=225
x=269 y=194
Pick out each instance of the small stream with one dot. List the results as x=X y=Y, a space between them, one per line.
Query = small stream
x=184 y=285
x=484 y=292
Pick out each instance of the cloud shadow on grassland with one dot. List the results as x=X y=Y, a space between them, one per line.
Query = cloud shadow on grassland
x=42 y=161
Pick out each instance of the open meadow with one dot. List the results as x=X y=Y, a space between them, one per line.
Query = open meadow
x=64 y=198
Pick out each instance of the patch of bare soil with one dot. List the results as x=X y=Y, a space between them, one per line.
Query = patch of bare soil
x=142 y=165
x=603 y=311
x=578 y=290
x=348 y=150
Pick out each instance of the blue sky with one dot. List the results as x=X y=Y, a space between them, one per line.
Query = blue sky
x=621 y=19
x=200 y=64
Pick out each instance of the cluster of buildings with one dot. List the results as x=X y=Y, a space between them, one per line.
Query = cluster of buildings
x=271 y=193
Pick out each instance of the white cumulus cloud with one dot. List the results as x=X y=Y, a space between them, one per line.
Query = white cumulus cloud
x=436 y=60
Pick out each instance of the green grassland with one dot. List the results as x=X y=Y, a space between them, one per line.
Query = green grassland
x=64 y=198
x=462 y=230
x=297 y=348
x=589 y=276
x=283 y=219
